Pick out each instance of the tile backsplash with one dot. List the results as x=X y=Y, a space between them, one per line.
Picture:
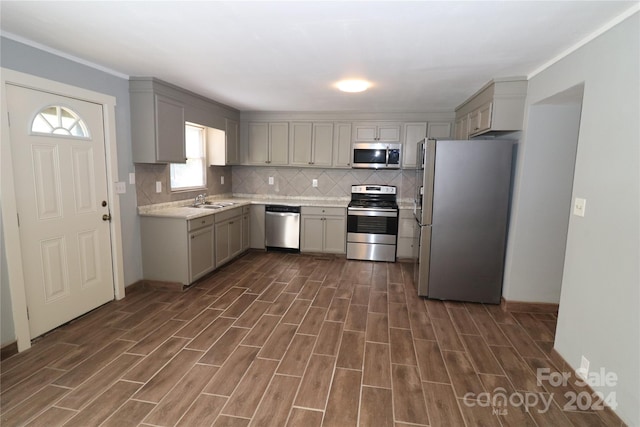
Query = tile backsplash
x=148 y=174
x=287 y=182
x=297 y=182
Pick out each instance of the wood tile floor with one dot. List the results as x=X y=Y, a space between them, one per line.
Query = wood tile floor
x=288 y=340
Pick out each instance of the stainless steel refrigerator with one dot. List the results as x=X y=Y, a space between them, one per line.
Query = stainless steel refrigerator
x=461 y=207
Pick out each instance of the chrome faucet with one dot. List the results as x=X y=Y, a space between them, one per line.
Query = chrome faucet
x=200 y=199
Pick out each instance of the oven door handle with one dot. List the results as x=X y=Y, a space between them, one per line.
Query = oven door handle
x=387 y=157
x=370 y=212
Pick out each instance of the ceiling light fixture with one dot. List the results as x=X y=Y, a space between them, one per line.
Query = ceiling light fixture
x=353 y=85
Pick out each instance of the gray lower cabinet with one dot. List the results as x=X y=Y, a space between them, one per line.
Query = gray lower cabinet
x=246 y=228
x=323 y=230
x=177 y=250
x=182 y=251
x=407 y=236
x=201 y=259
x=256 y=227
x=228 y=236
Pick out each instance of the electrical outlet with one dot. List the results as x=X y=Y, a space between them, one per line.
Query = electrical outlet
x=314 y=182
x=583 y=372
x=222 y=179
x=579 y=206
x=158 y=186
x=270 y=180
x=120 y=188
x=132 y=178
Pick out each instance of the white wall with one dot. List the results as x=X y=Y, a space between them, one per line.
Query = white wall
x=26 y=59
x=600 y=298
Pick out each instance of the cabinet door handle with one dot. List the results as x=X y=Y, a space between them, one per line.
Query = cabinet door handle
x=230 y=222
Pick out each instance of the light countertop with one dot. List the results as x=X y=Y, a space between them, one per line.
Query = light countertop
x=183 y=209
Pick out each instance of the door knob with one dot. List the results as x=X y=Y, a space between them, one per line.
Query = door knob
x=106 y=217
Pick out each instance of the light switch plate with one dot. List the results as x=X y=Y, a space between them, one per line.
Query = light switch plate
x=270 y=180
x=158 y=186
x=583 y=371
x=132 y=178
x=579 y=206
x=120 y=188
x=221 y=179
x=314 y=182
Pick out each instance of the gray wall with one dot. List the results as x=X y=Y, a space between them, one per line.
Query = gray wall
x=599 y=303
x=542 y=202
x=7 y=332
x=26 y=59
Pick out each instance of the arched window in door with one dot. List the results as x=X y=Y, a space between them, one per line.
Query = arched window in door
x=59 y=120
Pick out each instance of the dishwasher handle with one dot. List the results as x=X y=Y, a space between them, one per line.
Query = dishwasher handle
x=282 y=213
x=282 y=209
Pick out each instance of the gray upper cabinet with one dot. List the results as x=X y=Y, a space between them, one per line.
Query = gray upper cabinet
x=268 y=143
x=227 y=149
x=157 y=127
x=497 y=107
x=342 y=145
x=325 y=141
x=232 y=142
x=223 y=147
x=413 y=133
x=311 y=144
x=159 y=111
x=376 y=131
x=439 y=130
x=170 y=145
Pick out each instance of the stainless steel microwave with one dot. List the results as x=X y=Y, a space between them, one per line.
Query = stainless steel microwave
x=376 y=155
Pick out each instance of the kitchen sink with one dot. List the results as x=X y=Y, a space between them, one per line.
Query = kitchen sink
x=212 y=205
x=207 y=206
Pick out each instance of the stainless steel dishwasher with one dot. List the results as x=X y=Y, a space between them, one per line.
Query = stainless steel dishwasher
x=282 y=228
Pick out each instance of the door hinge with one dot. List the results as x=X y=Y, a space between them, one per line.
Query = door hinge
x=28 y=314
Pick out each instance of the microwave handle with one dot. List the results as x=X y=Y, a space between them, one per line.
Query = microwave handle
x=387 y=157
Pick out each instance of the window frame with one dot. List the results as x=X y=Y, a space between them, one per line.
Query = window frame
x=78 y=121
x=203 y=133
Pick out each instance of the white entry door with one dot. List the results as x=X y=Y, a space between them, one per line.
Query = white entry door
x=58 y=152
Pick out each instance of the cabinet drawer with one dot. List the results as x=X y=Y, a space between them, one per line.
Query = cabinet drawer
x=223 y=216
x=194 y=224
x=246 y=209
x=313 y=210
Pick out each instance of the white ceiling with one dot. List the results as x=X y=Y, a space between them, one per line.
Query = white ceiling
x=421 y=56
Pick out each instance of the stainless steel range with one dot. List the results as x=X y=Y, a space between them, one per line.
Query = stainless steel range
x=372 y=223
